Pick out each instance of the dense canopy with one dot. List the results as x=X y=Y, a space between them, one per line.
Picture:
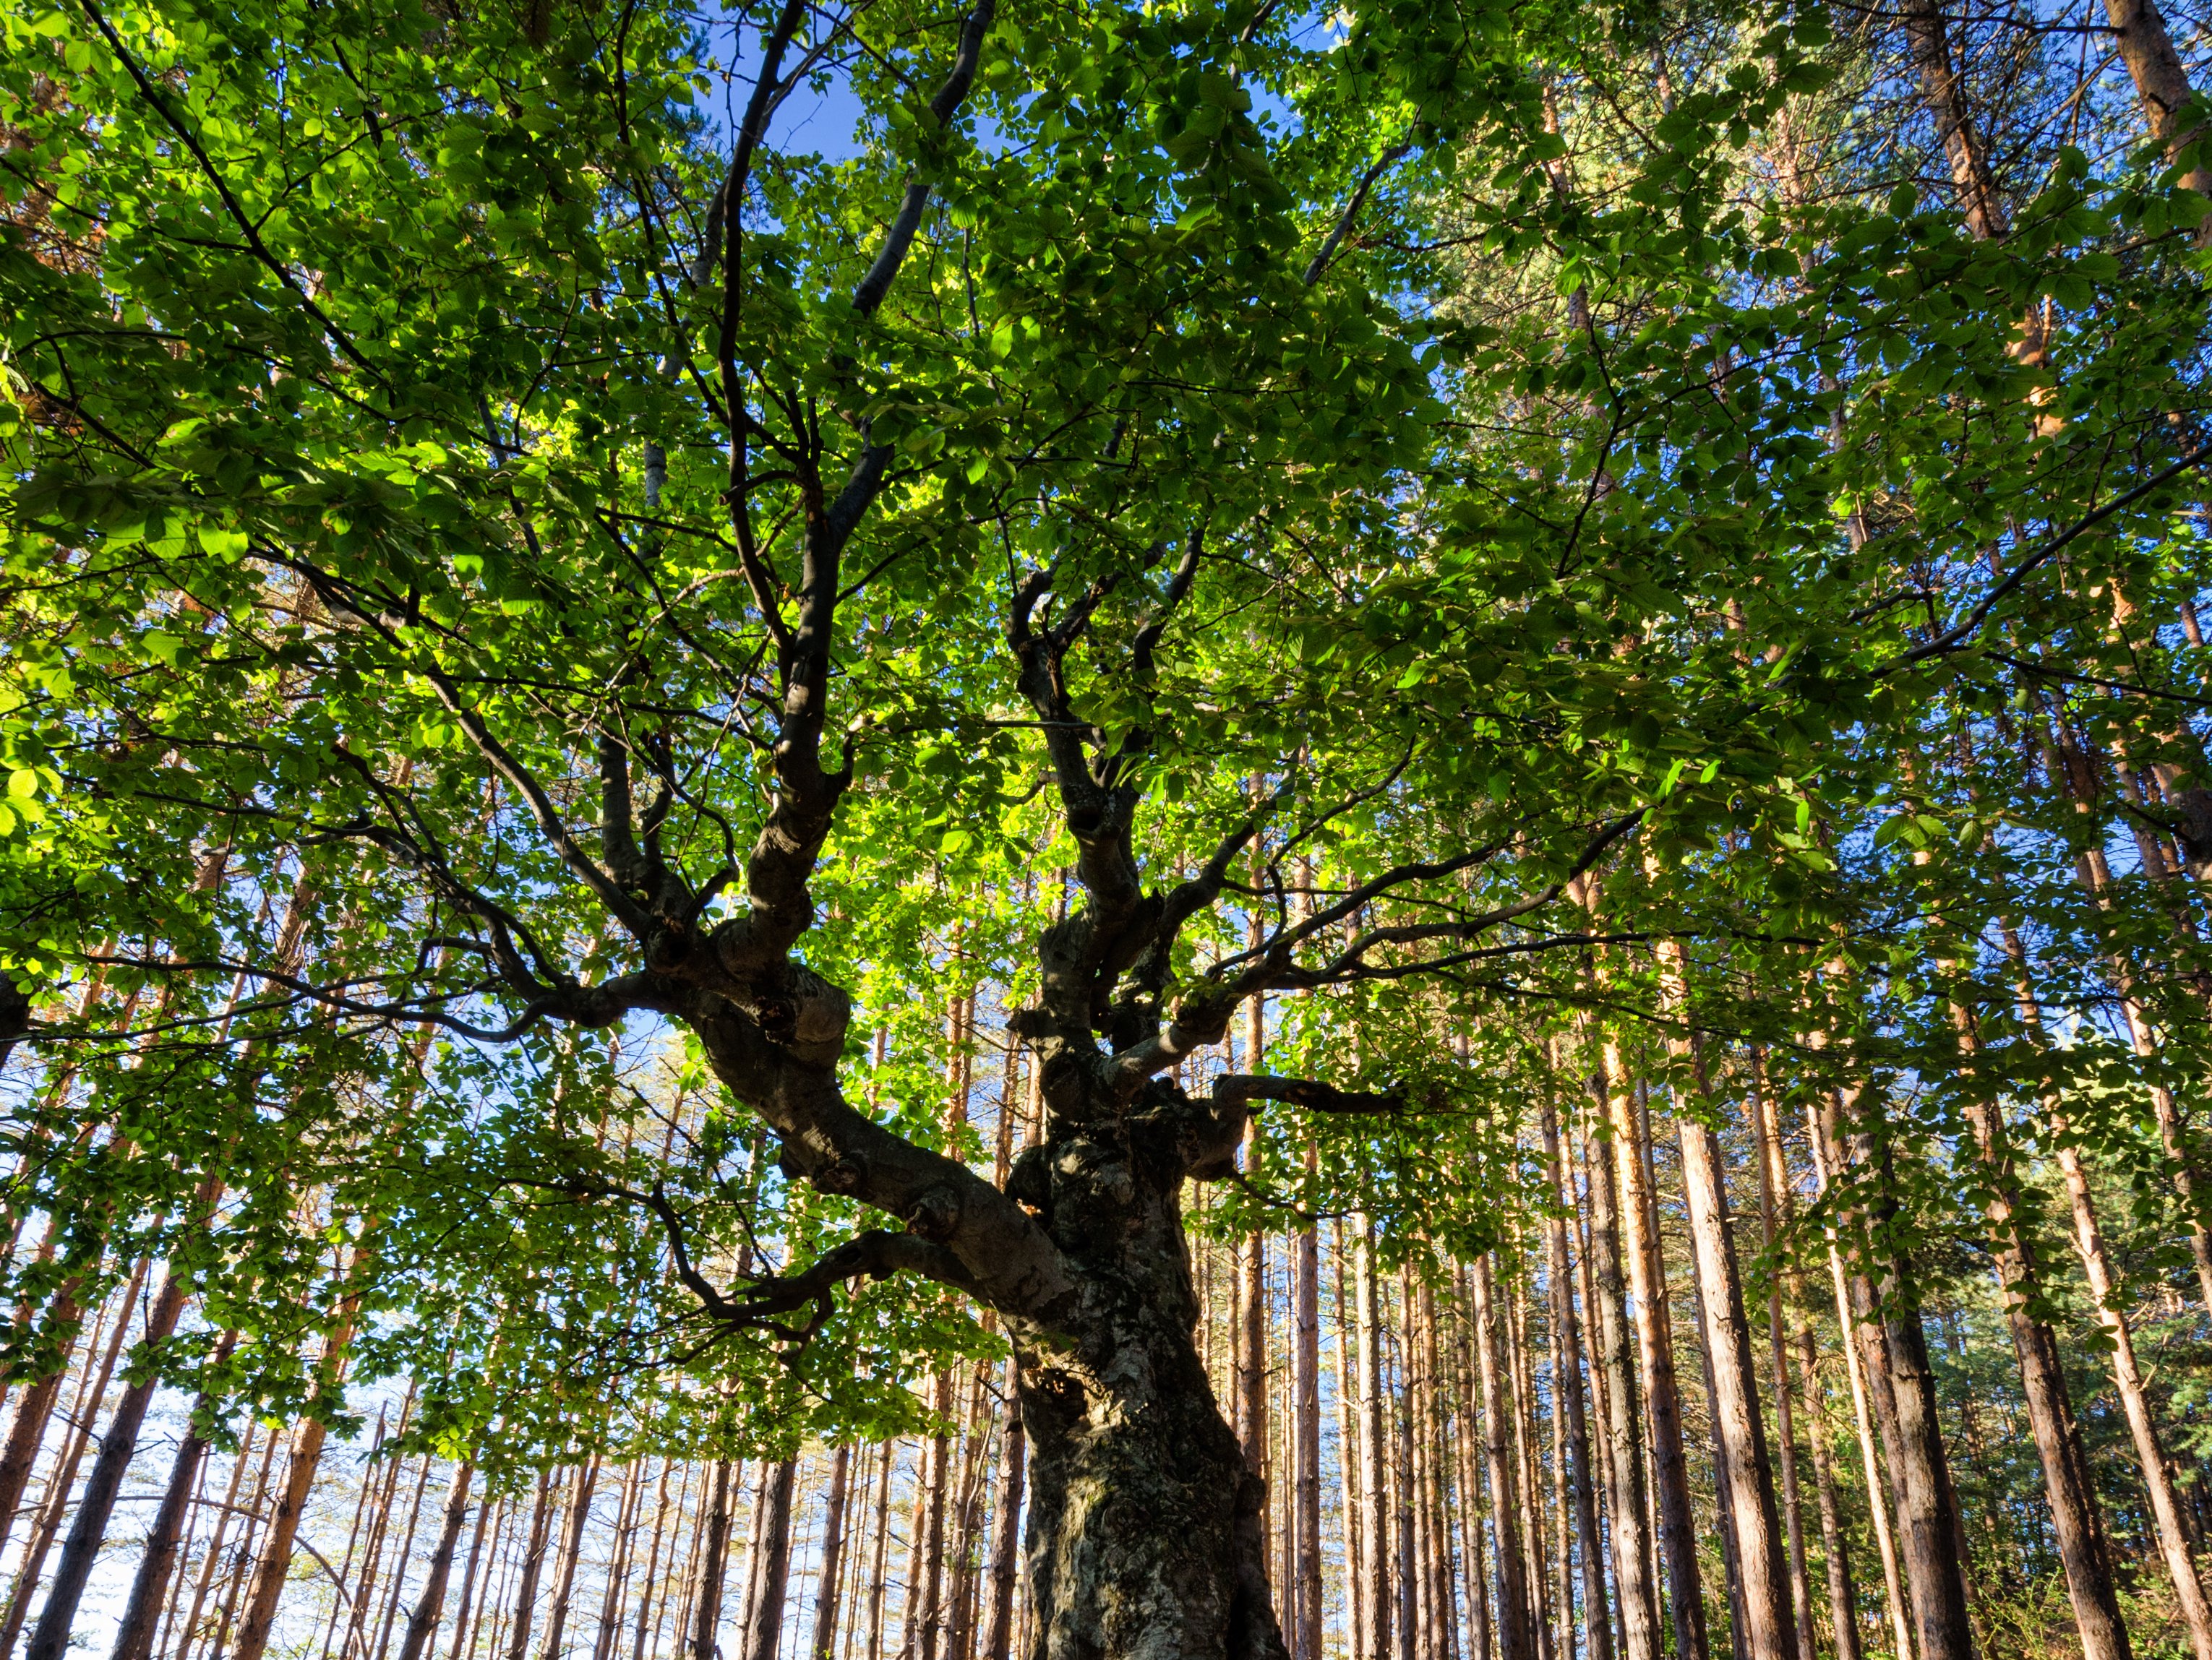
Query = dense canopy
x=1384 y=613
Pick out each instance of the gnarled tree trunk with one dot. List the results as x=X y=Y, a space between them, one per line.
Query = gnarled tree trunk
x=1145 y=1536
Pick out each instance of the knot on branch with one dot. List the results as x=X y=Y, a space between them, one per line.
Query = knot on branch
x=844 y=1175
x=799 y=1010
x=934 y=1215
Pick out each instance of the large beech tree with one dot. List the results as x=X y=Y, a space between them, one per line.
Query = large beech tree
x=620 y=573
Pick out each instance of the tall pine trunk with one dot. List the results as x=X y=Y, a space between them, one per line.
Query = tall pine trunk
x=1006 y=1542
x=824 y=1645
x=1306 y=1431
x=771 y=1564
x=157 y=1562
x=1663 y=1400
x=95 y=1505
x=1374 y=1476
x=430 y=1607
x=579 y=1516
x=1773 y=1215
x=1515 y=1635
x=1629 y=1509
x=2173 y=1541
x=1597 y=1626
x=1739 y=1428
x=1885 y=1312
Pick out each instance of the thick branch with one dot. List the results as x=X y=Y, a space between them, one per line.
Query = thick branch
x=1011 y=1262
x=1209 y=1149
x=949 y=96
x=877 y=1253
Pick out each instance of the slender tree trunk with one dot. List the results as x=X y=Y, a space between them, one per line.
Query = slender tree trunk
x=1349 y=1430
x=1006 y=1540
x=35 y=1408
x=824 y=1643
x=1740 y=1433
x=1402 y=1478
x=1438 y=1437
x=96 y=1505
x=1521 y=1382
x=614 y=1598
x=274 y=1566
x=1773 y=1215
x=422 y=1624
x=883 y=1530
x=1374 y=1476
x=2127 y=1379
x=63 y=1478
x=1569 y=1389
x=1630 y=1530
x=771 y=1564
x=967 y=1518
x=235 y=1583
x=1472 y=1445
x=1663 y=1402
x=398 y=1592
x=1305 y=1424
x=364 y=1500
x=134 y=1636
x=210 y=1563
x=715 y=1544
x=1920 y=1485
x=538 y=1541
x=1877 y=1489
x=580 y=1515
x=1562 y=1502
x=1250 y=1344
x=1842 y=1593
x=651 y=1598
x=1516 y=1639
x=2075 y=1516
x=929 y=1614
x=379 y=1483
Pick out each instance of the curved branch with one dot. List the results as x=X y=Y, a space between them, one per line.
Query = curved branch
x=1209 y=1145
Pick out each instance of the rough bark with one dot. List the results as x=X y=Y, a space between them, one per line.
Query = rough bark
x=1662 y=1401
x=580 y=1515
x=1006 y=1540
x=1769 y=1630
x=1597 y=1626
x=95 y=1505
x=2173 y=1543
x=824 y=1645
x=1305 y=1427
x=422 y=1624
x=1145 y=1531
x=1616 y=1350
x=1516 y=1635
x=715 y=1548
x=1887 y=1319
x=2162 y=83
x=771 y=1565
